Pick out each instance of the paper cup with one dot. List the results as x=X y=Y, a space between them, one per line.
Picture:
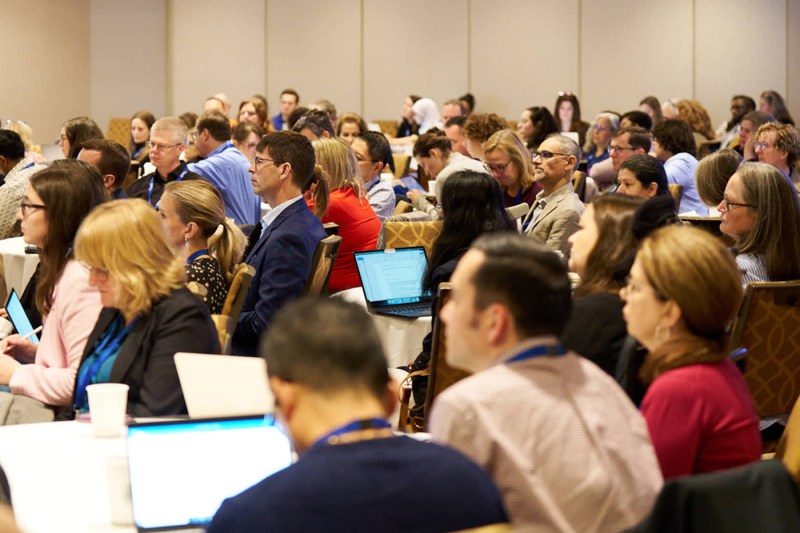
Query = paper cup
x=107 y=404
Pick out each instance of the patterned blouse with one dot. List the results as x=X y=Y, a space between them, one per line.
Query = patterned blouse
x=206 y=271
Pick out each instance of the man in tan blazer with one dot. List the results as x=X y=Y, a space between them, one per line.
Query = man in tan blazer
x=555 y=214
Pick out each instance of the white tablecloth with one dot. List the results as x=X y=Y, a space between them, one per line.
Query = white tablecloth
x=401 y=337
x=18 y=267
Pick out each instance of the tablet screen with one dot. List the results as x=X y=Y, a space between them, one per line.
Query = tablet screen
x=17 y=316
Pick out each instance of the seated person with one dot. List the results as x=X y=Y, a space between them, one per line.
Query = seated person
x=373 y=153
x=642 y=175
x=477 y=130
x=779 y=145
x=56 y=201
x=759 y=212
x=626 y=143
x=359 y=226
x=599 y=254
x=433 y=153
x=674 y=146
x=510 y=164
x=148 y=314
x=529 y=400
x=712 y=175
x=111 y=159
x=193 y=218
x=16 y=168
x=333 y=395
x=683 y=291
x=282 y=246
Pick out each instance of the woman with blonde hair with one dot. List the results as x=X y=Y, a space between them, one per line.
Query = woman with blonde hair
x=348 y=207
x=148 y=314
x=712 y=175
x=683 y=291
x=509 y=162
x=349 y=126
x=193 y=218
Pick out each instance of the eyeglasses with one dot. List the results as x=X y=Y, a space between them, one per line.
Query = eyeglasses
x=258 y=161
x=499 y=169
x=612 y=148
x=564 y=93
x=727 y=203
x=362 y=160
x=598 y=127
x=193 y=134
x=632 y=288
x=546 y=154
x=738 y=107
x=761 y=146
x=26 y=208
x=155 y=147
x=99 y=274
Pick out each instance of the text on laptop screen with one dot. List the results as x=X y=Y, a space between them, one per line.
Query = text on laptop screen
x=392 y=276
x=182 y=471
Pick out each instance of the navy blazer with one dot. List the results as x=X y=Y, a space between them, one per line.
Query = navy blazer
x=178 y=323
x=282 y=259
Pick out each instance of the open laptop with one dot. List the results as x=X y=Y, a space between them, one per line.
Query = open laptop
x=224 y=385
x=392 y=281
x=181 y=471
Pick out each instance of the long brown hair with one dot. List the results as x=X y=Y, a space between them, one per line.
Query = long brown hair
x=613 y=215
x=698 y=273
x=69 y=192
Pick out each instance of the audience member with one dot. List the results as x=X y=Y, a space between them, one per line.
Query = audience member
x=596 y=148
x=16 y=169
x=212 y=103
x=636 y=118
x=141 y=123
x=467 y=103
x=55 y=203
x=226 y=103
x=625 y=143
x=426 y=115
x=433 y=154
x=771 y=102
x=729 y=130
x=74 y=132
x=289 y=99
x=295 y=116
x=534 y=125
x=329 y=108
x=673 y=144
x=373 y=153
x=349 y=126
x=407 y=127
x=167 y=141
x=245 y=138
x=747 y=134
x=509 y=163
x=696 y=116
x=225 y=167
x=25 y=132
x=759 y=211
x=599 y=254
x=642 y=175
x=477 y=130
x=282 y=246
x=148 y=315
x=683 y=291
x=348 y=207
x=567 y=114
x=314 y=125
x=669 y=109
x=554 y=215
x=192 y=215
x=454 y=131
x=779 y=145
x=112 y=160
x=713 y=173
x=529 y=399
x=451 y=109
x=652 y=107
x=333 y=395
x=252 y=110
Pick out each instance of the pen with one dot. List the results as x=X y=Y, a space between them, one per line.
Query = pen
x=32 y=333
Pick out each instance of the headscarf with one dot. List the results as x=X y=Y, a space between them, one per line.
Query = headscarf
x=426 y=114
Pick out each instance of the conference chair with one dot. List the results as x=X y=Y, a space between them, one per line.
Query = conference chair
x=234 y=301
x=331 y=228
x=768 y=326
x=322 y=265
x=388 y=127
x=401 y=164
x=789 y=446
x=518 y=212
x=119 y=129
x=400 y=234
x=225 y=327
x=677 y=193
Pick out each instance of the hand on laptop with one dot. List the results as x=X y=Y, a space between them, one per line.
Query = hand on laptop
x=18 y=347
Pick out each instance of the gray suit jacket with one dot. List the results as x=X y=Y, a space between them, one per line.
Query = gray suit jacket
x=558 y=219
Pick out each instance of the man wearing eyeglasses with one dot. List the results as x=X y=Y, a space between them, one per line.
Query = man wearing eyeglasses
x=282 y=245
x=167 y=142
x=555 y=214
x=626 y=143
x=740 y=106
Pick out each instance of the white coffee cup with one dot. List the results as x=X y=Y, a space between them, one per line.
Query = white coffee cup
x=107 y=404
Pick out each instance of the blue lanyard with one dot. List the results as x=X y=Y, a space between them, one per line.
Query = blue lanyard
x=152 y=182
x=352 y=427
x=29 y=165
x=197 y=254
x=538 y=351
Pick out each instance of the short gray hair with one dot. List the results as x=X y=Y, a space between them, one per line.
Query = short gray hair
x=568 y=145
x=172 y=125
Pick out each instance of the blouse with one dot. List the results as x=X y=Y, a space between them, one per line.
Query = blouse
x=206 y=271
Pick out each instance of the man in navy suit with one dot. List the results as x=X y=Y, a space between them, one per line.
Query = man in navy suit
x=289 y=234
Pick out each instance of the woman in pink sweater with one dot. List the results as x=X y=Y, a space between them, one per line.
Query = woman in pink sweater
x=56 y=201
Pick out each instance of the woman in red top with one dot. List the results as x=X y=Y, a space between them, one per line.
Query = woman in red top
x=348 y=207
x=684 y=289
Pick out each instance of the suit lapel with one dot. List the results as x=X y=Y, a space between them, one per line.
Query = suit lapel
x=289 y=211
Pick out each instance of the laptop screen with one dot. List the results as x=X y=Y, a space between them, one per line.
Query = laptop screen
x=181 y=471
x=393 y=276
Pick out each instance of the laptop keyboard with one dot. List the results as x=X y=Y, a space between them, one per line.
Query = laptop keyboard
x=412 y=310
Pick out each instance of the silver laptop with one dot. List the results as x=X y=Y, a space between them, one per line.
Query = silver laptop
x=182 y=470
x=392 y=281
x=224 y=385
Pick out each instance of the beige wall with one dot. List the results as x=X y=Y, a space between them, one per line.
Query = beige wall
x=109 y=58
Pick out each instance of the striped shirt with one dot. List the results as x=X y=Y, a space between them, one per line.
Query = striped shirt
x=753 y=267
x=562 y=441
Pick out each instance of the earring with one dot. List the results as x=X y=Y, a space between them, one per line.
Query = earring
x=185 y=240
